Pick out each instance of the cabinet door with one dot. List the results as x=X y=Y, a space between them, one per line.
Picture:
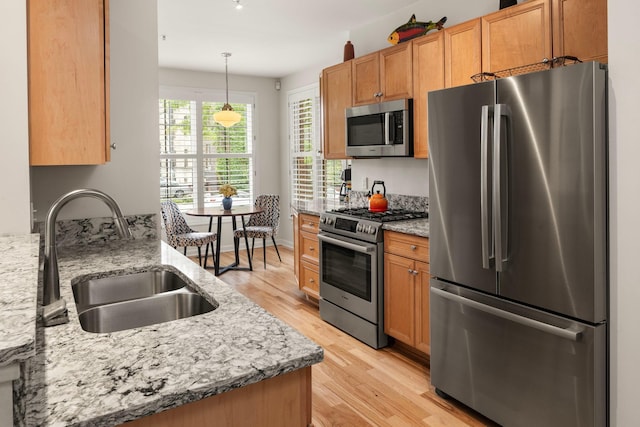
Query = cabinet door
x=336 y=97
x=366 y=79
x=399 y=297
x=309 y=279
x=422 y=307
x=516 y=36
x=580 y=29
x=396 y=72
x=462 y=52
x=309 y=247
x=68 y=82
x=428 y=74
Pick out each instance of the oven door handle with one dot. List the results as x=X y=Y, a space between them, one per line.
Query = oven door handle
x=358 y=248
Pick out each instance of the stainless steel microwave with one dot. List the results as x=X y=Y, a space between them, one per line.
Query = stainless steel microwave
x=384 y=129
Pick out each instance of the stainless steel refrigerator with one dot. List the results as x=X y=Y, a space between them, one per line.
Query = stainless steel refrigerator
x=519 y=246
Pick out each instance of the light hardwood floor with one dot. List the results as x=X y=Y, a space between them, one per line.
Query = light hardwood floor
x=355 y=385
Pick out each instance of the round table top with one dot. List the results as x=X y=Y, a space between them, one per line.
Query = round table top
x=218 y=211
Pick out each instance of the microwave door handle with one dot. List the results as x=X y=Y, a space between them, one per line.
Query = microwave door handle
x=388 y=138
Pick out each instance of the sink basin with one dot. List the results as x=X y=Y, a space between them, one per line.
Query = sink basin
x=144 y=311
x=119 y=300
x=92 y=290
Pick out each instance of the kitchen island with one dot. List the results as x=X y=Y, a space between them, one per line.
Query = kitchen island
x=104 y=379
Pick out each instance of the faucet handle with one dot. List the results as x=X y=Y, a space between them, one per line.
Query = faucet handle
x=55 y=313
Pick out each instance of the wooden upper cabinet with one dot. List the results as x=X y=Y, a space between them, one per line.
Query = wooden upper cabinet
x=383 y=76
x=68 y=82
x=428 y=74
x=335 y=86
x=516 y=36
x=580 y=29
x=462 y=52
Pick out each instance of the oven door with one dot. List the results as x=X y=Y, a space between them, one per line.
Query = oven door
x=349 y=274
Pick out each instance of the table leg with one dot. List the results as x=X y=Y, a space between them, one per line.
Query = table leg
x=216 y=262
x=246 y=243
x=236 y=241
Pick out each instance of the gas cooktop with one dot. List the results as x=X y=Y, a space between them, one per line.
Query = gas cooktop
x=386 y=216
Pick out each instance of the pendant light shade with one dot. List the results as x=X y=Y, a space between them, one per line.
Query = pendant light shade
x=227 y=117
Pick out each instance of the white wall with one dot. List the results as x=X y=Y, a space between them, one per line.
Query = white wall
x=624 y=63
x=14 y=142
x=131 y=177
x=267 y=134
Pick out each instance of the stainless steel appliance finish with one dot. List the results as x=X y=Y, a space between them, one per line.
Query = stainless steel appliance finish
x=384 y=129
x=351 y=271
x=518 y=246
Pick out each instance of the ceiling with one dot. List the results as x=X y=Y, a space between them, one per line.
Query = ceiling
x=266 y=38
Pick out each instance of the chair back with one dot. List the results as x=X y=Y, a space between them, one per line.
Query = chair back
x=174 y=222
x=270 y=217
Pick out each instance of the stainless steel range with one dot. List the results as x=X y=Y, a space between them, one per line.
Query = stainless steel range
x=351 y=270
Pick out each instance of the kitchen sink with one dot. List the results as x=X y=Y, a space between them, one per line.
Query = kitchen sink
x=119 y=300
x=147 y=311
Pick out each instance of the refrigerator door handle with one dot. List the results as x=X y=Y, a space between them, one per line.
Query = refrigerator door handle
x=485 y=220
x=572 y=334
x=500 y=197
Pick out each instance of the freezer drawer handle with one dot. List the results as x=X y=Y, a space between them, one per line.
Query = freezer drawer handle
x=570 y=334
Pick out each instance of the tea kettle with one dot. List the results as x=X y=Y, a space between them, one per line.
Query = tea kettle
x=378 y=202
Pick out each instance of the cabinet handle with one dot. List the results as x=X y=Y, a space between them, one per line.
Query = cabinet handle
x=113 y=145
x=413 y=247
x=312 y=249
x=311 y=281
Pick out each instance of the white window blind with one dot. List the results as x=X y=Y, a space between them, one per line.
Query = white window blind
x=197 y=155
x=311 y=175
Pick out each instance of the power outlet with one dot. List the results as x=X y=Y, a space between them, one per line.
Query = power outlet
x=365 y=183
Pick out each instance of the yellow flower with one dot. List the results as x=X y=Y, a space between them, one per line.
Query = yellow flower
x=228 y=190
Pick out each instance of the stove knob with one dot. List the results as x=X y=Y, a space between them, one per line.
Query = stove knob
x=323 y=220
x=331 y=221
x=359 y=227
x=371 y=229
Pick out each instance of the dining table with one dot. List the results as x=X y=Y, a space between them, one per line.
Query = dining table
x=220 y=213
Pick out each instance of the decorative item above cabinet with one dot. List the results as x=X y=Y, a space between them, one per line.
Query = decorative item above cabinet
x=68 y=66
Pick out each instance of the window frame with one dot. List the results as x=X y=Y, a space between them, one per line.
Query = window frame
x=199 y=96
x=325 y=173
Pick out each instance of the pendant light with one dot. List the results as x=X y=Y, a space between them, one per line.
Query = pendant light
x=227 y=117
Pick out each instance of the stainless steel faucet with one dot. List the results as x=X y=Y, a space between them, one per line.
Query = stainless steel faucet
x=54 y=307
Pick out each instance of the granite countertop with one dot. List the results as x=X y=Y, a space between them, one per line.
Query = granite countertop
x=79 y=378
x=18 y=297
x=414 y=227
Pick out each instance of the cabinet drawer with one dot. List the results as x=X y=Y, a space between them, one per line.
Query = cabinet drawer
x=309 y=279
x=309 y=223
x=309 y=247
x=405 y=245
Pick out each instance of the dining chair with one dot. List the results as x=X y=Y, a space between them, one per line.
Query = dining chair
x=264 y=224
x=179 y=234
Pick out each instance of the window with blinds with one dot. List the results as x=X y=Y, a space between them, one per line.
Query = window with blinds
x=197 y=155
x=312 y=177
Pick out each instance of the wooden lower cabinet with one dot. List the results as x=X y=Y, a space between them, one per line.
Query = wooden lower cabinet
x=406 y=289
x=305 y=236
x=284 y=400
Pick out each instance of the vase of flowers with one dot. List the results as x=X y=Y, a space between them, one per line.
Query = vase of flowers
x=227 y=190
